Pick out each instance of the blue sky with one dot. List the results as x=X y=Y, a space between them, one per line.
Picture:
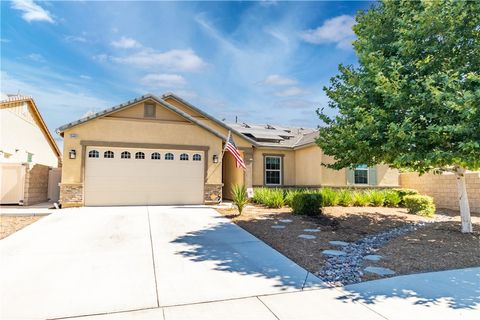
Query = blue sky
x=265 y=62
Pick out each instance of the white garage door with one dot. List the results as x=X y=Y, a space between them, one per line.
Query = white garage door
x=127 y=176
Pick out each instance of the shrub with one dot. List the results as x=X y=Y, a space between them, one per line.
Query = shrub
x=361 y=199
x=420 y=205
x=392 y=198
x=272 y=198
x=345 y=197
x=402 y=192
x=307 y=203
x=329 y=197
x=240 y=197
x=289 y=194
x=377 y=197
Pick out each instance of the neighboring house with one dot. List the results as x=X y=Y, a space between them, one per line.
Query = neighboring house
x=163 y=150
x=28 y=152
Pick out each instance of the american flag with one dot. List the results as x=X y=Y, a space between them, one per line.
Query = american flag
x=232 y=148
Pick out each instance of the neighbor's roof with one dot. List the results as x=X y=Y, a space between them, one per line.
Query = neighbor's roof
x=11 y=100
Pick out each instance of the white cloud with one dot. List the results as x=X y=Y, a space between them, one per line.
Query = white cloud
x=335 y=30
x=278 y=80
x=75 y=39
x=290 y=92
x=36 y=57
x=157 y=80
x=126 y=43
x=85 y=77
x=32 y=11
x=181 y=60
x=100 y=57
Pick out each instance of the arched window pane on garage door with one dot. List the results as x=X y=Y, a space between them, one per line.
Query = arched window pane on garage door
x=197 y=157
x=139 y=155
x=108 y=154
x=93 y=154
x=184 y=157
x=169 y=156
x=156 y=156
x=126 y=155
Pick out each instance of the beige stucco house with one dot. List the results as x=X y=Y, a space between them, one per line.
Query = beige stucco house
x=163 y=150
x=28 y=152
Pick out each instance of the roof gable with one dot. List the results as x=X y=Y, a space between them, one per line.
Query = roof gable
x=14 y=101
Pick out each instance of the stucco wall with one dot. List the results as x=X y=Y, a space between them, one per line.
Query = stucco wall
x=308 y=166
x=20 y=133
x=231 y=174
x=137 y=131
x=387 y=177
x=443 y=188
x=330 y=177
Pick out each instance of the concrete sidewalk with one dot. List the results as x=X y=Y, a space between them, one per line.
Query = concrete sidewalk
x=40 y=209
x=453 y=294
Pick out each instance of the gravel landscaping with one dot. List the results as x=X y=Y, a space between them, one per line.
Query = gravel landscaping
x=11 y=224
x=352 y=244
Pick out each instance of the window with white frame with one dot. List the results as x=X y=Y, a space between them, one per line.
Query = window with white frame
x=108 y=154
x=273 y=170
x=197 y=157
x=360 y=174
x=125 y=155
x=93 y=154
x=139 y=155
x=169 y=156
x=184 y=157
x=156 y=156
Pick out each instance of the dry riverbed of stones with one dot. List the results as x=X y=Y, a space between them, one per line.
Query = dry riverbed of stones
x=348 y=262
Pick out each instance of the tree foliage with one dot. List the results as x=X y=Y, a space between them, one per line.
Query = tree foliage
x=414 y=100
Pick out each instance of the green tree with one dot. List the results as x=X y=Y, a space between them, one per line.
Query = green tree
x=413 y=101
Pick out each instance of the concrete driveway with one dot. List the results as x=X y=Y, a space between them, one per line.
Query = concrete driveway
x=104 y=260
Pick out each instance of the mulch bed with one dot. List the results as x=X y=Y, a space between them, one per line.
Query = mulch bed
x=11 y=224
x=437 y=246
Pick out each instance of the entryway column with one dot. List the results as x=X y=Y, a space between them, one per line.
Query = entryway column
x=248 y=177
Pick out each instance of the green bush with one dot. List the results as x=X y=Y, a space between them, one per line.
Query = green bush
x=345 y=197
x=361 y=199
x=403 y=192
x=377 y=197
x=329 y=197
x=240 y=197
x=272 y=198
x=307 y=203
x=392 y=198
x=420 y=205
x=289 y=194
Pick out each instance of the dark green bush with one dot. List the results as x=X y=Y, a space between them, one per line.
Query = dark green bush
x=420 y=205
x=307 y=203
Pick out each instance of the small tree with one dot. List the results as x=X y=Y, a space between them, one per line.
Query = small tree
x=414 y=100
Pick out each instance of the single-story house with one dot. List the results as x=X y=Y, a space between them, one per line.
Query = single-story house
x=163 y=150
x=29 y=155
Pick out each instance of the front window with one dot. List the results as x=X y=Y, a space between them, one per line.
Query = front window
x=273 y=170
x=361 y=174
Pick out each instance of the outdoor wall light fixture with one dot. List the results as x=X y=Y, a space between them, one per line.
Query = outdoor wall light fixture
x=215 y=158
x=72 y=154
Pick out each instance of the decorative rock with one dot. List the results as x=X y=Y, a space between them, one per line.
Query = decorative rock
x=339 y=243
x=285 y=220
x=311 y=230
x=373 y=257
x=380 y=271
x=333 y=252
x=278 y=227
x=307 y=236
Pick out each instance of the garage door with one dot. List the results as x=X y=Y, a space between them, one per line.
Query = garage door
x=126 y=176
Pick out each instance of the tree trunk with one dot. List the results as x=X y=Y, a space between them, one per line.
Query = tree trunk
x=463 y=200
